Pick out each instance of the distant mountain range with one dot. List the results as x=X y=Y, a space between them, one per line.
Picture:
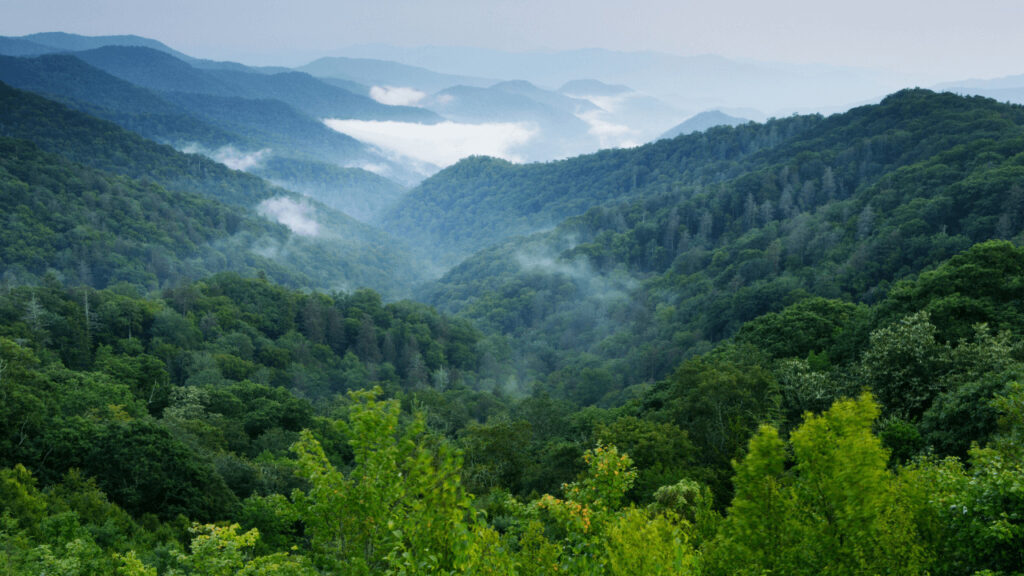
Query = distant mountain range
x=207 y=106
x=1004 y=89
x=225 y=110
x=373 y=72
x=283 y=124
x=690 y=83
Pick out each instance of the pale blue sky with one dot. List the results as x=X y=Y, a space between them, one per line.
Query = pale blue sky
x=930 y=39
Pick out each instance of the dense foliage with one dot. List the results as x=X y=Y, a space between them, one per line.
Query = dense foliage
x=807 y=359
x=125 y=418
x=136 y=181
x=857 y=202
x=481 y=201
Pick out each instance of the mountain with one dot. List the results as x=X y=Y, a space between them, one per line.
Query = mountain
x=60 y=42
x=371 y=72
x=1002 y=83
x=479 y=202
x=71 y=81
x=1004 y=89
x=666 y=263
x=275 y=125
x=256 y=135
x=594 y=88
x=689 y=83
x=21 y=47
x=771 y=348
x=275 y=113
x=556 y=100
x=347 y=254
x=98 y=229
x=164 y=73
x=703 y=121
x=358 y=193
x=64 y=42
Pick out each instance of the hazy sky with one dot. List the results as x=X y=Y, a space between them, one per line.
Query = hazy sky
x=930 y=39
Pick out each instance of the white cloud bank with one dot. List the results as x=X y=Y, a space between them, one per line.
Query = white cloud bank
x=605 y=125
x=440 y=144
x=608 y=133
x=397 y=95
x=297 y=216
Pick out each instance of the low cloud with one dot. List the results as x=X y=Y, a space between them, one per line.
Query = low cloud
x=440 y=144
x=397 y=96
x=231 y=156
x=592 y=284
x=608 y=133
x=606 y=103
x=378 y=169
x=299 y=217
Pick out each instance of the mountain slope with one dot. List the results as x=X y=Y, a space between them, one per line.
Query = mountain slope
x=164 y=73
x=71 y=81
x=373 y=72
x=703 y=121
x=321 y=248
x=842 y=209
x=689 y=82
x=20 y=47
x=362 y=195
x=97 y=229
x=257 y=135
x=64 y=42
x=481 y=201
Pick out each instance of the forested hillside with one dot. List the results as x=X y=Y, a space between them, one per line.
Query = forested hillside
x=127 y=417
x=481 y=201
x=790 y=348
x=346 y=253
x=265 y=121
x=619 y=295
x=72 y=82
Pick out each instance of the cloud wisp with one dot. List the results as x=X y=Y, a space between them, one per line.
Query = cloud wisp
x=608 y=133
x=397 y=95
x=299 y=217
x=231 y=156
x=441 y=144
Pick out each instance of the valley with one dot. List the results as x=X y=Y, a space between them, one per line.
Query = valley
x=483 y=312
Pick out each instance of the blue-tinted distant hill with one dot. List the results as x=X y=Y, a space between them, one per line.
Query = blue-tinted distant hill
x=372 y=72
x=703 y=121
x=1004 y=89
x=161 y=72
x=497 y=104
x=555 y=100
x=64 y=42
x=69 y=80
x=219 y=126
x=273 y=124
x=21 y=47
x=593 y=87
x=690 y=83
